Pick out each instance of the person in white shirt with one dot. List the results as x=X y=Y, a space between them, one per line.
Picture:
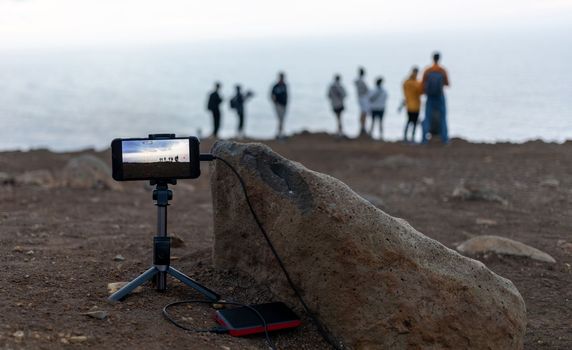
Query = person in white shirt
x=362 y=92
x=337 y=94
x=377 y=101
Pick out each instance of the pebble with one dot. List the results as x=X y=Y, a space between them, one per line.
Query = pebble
x=486 y=222
x=99 y=314
x=550 y=182
x=177 y=241
x=77 y=339
x=19 y=335
x=18 y=249
x=428 y=181
x=115 y=286
x=118 y=257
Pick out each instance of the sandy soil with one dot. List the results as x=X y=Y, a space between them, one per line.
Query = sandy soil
x=57 y=246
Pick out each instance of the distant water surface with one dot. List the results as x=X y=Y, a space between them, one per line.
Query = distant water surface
x=503 y=88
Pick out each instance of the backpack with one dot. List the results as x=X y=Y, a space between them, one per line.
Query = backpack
x=434 y=84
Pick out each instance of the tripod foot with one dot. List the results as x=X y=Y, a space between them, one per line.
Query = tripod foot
x=193 y=284
x=129 y=287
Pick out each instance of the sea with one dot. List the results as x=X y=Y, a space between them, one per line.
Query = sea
x=505 y=87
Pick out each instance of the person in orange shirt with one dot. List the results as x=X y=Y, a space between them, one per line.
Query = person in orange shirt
x=412 y=91
x=435 y=78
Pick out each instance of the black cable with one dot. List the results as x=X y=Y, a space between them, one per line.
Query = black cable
x=321 y=329
x=217 y=330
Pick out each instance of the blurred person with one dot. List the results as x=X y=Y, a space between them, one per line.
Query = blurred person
x=213 y=105
x=279 y=96
x=363 y=99
x=377 y=102
x=237 y=103
x=435 y=78
x=337 y=94
x=412 y=91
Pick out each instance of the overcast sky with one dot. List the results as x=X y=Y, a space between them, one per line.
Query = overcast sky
x=79 y=22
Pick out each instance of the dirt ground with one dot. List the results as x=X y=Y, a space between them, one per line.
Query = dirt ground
x=59 y=246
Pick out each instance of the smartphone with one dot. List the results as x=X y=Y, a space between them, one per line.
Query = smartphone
x=158 y=157
x=241 y=321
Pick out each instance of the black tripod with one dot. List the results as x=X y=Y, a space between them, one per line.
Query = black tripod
x=162 y=252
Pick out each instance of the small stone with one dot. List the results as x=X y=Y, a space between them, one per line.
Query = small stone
x=77 y=338
x=550 y=182
x=502 y=245
x=398 y=161
x=6 y=179
x=99 y=314
x=115 y=286
x=566 y=246
x=18 y=249
x=485 y=222
x=118 y=257
x=176 y=241
x=30 y=252
x=19 y=335
x=429 y=181
x=475 y=192
x=224 y=347
x=64 y=341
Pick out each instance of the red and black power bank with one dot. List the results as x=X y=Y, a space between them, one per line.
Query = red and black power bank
x=241 y=321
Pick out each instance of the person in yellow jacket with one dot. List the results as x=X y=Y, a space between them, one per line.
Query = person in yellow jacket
x=412 y=91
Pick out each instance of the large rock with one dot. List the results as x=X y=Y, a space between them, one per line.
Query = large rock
x=502 y=245
x=373 y=280
x=88 y=171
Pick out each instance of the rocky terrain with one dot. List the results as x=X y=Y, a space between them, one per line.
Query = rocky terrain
x=67 y=231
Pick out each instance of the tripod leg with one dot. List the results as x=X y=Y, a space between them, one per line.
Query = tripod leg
x=129 y=287
x=191 y=283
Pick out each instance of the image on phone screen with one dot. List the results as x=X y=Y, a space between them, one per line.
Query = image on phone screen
x=168 y=158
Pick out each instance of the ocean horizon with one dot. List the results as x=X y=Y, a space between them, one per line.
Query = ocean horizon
x=504 y=88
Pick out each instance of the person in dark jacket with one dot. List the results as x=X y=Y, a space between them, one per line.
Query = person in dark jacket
x=213 y=105
x=279 y=96
x=237 y=103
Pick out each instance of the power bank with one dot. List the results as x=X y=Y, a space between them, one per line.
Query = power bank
x=241 y=321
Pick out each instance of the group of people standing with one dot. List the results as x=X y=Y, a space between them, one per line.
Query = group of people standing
x=372 y=102
x=278 y=95
x=236 y=102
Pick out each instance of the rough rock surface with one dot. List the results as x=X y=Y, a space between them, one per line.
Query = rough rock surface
x=502 y=245
x=373 y=280
x=88 y=171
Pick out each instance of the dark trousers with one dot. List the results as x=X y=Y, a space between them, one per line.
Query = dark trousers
x=412 y=119
x=216 y=121
x=435 y=112
x=240 y=121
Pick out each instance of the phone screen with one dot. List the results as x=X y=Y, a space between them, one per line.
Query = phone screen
x=156 y=158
